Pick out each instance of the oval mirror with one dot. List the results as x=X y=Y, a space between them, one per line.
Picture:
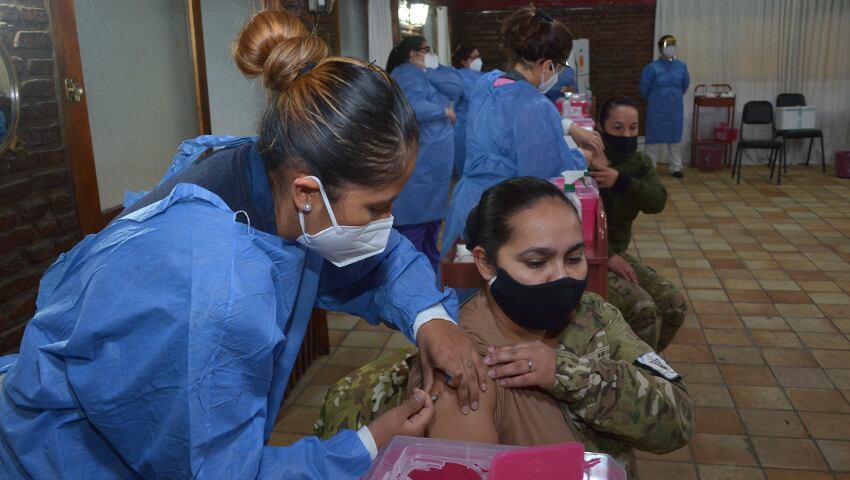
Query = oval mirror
x=9 y=103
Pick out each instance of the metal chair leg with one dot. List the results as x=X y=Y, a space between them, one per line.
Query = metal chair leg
x=740 y=162
x=772 y=162
x=781 y=160
x=735 y=160
x=809 y=155
x=784 y=158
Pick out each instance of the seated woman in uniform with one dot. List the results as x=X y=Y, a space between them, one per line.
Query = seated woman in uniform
x=629 y=185
x=564 y=366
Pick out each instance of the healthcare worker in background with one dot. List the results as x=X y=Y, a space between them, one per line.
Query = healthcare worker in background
x=431 y=89
x=566 y=83
x=513 y=129
x=467 y=60
x=663 y=83
x=161 y=347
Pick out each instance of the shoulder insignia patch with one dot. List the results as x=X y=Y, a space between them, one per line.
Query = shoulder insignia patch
x=652 y=361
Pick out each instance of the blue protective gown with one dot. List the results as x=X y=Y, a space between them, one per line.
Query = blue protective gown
x=470 y=77
x=513 y=130
x=161 y=347
x=663 y=84
x=425 y=197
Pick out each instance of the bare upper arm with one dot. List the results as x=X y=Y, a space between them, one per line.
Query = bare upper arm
x=450 y=423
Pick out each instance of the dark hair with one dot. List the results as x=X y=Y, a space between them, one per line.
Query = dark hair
x=344 y=120
x=488 y=224
x=461 y=53
x=611 y=104
x=530 y=35
x=401 y=53
x=661 y=40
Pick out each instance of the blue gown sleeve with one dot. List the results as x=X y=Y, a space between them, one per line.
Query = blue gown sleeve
x=447 y=81
x=686 y=82
x=541 y=150
x=173 y=355
x=392 y=287
x=647 y=76
x=425 y=109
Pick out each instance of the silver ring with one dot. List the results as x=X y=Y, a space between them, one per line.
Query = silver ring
x=530 y=365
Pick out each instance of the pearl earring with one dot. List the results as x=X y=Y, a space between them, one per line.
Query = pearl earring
x=307 y=208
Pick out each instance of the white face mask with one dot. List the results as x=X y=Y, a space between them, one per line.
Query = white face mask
x=476 y=65
x=432 y=60
x=343 y=245
x=547 y=84
x=669 y=51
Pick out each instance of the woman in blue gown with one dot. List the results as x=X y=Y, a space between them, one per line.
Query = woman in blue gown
x=467 y=61
x=431 y=89
x=663 y=83
x=513 y=129
x=161 y=347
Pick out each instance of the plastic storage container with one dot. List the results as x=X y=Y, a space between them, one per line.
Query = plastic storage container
x=710 y=158
x=723 y=133
x=409 y=458
x=842 y=163
x=588 y=194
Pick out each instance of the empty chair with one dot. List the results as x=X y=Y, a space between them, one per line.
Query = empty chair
x=758 y=112
x=798 y=100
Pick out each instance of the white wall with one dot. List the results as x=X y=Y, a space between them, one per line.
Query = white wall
x=140 y=91
x=236 y=102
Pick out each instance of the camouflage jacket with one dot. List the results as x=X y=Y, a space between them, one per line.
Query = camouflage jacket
x=617 y=392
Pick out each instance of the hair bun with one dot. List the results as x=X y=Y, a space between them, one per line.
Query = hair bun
x=277 y=46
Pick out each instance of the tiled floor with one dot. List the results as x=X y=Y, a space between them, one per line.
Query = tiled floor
x=766 y=346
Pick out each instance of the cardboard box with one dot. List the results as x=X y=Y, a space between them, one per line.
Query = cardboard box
x=795 y=118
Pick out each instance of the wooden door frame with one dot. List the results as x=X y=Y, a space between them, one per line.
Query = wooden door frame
x=75 y=115
x=77 y=129
x=199 y=65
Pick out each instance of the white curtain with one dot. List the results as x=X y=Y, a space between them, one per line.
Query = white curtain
x=763 y=48
x=380 y=32
x=444 y=49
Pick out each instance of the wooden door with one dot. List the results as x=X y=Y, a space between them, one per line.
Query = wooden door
x=95 y=208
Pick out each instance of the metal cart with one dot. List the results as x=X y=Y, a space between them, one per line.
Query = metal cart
x=715 y=95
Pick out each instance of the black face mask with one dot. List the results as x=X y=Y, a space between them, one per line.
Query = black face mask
x=547 y=306
x=622 y=145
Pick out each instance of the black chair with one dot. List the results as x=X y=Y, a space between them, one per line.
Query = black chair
x=798 y=100
x=758 y=113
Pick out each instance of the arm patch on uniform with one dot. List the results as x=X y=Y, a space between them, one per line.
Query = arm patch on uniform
x=652 y=361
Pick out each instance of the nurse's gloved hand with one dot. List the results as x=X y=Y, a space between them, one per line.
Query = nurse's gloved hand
x=450 y=114
x=410 y=419
x=588 y=139
x=443 y=346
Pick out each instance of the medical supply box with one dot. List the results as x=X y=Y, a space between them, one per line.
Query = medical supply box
x=409 y=458
x=587 y=192
x=795 y=118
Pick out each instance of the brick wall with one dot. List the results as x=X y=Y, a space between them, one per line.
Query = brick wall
x=326 y=24
x=620 y=37
x=38 y=218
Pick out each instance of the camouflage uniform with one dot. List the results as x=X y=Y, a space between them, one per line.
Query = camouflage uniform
x=360 y=397
x=611 y=401
x=655 y=309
